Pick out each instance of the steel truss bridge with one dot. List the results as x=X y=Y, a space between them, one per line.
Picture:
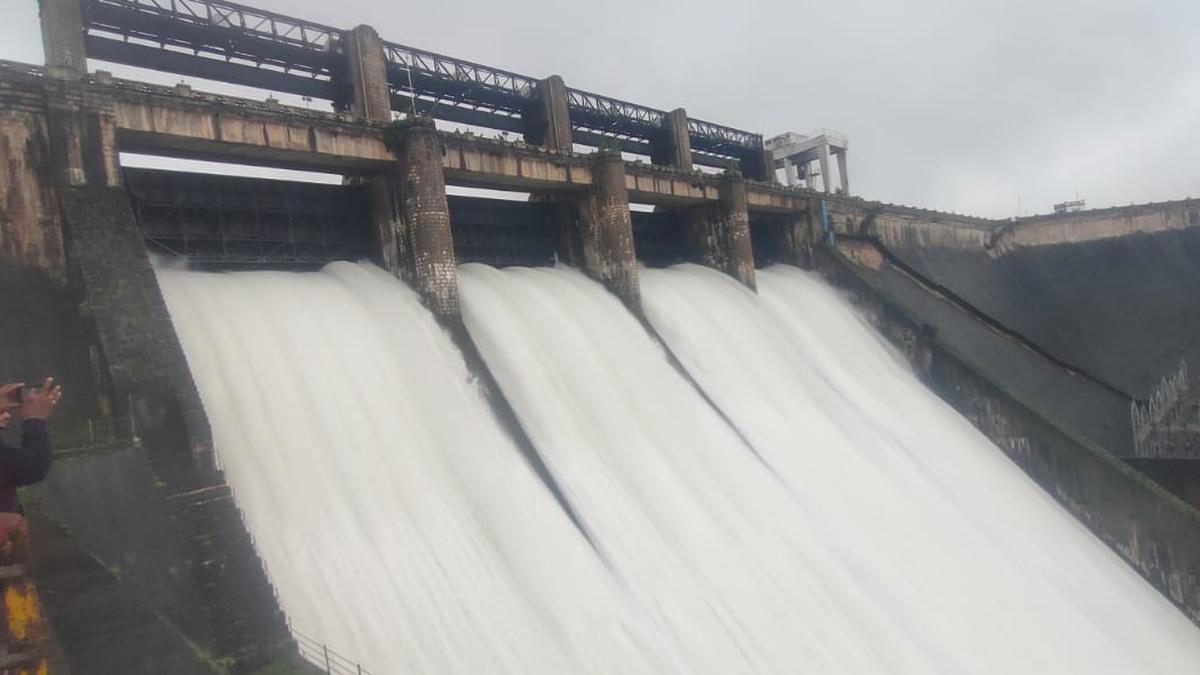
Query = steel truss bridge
x=229 y=42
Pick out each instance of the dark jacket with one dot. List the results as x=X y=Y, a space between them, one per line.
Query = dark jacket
x=25 y=465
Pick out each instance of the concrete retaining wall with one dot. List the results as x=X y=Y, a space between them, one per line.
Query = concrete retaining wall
x=1114 y=291
x=1157 y=533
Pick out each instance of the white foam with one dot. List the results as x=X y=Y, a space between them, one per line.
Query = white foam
x=856 y=524
x=985 y=569
x=399 y=524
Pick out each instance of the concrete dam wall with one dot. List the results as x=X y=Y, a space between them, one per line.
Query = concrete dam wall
x=1111 y=290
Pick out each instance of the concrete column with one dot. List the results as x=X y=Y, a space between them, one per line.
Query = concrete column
x=824 y=160
x=789 y=171
x=800 y=236
x=843 y=172
x=734 y=224
x=675 y=147
x=606 y=231
x=389 y=241
x=549 y=125
x=549 y=117
x=65 y=134
x=367 y=70
x=718 y=236
x=82 y=135
x=62 y=38
x=426 y=217
x=370 y=98
x=759 y=166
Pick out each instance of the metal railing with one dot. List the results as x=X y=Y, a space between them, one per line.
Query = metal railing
x=615 y=109
x=221 y=14
x=445 y=68
x=320 y=655
x=724 y=136
x=215 y=39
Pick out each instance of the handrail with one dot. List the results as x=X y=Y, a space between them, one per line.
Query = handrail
x=320 y=655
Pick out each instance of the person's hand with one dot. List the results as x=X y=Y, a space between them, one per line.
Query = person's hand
x=39 y=403
x=8 y=396
x=5 y=417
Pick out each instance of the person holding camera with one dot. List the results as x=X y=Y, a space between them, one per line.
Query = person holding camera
x=30 y=462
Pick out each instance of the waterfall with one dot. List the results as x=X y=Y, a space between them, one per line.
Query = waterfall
x=785 y=498
x=854 y=523
x=987 y=570
x=399 y=524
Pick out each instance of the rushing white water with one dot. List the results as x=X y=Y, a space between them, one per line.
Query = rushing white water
x=399 y=524
x=983 y=569
x=845 y=522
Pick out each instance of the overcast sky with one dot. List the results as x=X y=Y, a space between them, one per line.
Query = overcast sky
x=963 y=105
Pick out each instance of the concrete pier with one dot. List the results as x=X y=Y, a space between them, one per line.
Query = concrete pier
x=426 y=217
x=550 y=120
x=62 y=38
x=367 y=74
x=718 y=236
x=368 y=97
x=733 y=222
x=606 y=230
x=389 y=244
x=675 y=147
x=759 y=167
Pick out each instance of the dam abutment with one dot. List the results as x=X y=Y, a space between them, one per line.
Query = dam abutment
x=1152 y=529
x=221 y=599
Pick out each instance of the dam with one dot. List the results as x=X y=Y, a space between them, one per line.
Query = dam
x=658 y=411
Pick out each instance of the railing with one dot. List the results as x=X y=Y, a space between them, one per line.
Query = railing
x=321 y=656
x=615 y=109
x=446 y=68
x=220 y=14
x=611 y=116
x=215 y=39
x=723 y=137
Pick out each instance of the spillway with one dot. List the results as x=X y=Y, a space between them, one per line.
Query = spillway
x=986 y=569
x=828 y=514
x=853 y=524
x=399 y=524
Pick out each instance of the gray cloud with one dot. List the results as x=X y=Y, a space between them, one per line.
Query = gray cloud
x=960 y=105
